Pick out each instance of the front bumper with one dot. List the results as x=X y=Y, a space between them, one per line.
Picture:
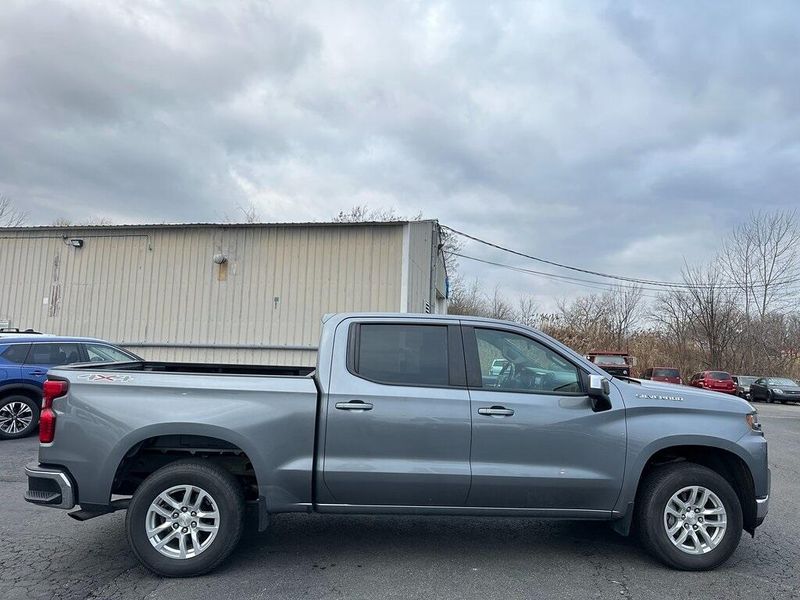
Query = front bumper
x=50 y=486
x=762 y=504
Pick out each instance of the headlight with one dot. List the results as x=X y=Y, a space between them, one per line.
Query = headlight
x=752 y=421
x=778 y=390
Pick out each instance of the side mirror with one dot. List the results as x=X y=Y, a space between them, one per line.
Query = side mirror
x=599 y=390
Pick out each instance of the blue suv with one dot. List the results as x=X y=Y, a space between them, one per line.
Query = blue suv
x=24 y=361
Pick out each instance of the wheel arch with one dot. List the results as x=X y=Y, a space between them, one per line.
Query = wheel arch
x=149 y=448
x=24 y=389
x=717 y=454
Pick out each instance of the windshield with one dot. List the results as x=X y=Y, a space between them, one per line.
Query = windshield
x=781 y=381
x=746 y=380
x=610 y=359
x=666 y=373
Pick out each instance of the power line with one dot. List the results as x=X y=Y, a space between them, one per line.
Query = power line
x=587 y=283
x=648 y=282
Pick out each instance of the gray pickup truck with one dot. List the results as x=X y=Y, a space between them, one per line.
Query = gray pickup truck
x=404 y=415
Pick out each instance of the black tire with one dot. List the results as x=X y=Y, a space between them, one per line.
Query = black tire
x=654 y=494
x=770 y=398
x=226 y=492
x=13 y=403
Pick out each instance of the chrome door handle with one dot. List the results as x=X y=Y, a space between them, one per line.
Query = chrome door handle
x=354 y=405
x=496 y=411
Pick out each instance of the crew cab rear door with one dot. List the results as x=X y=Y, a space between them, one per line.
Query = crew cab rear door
x=536 y=442
x=397 y=417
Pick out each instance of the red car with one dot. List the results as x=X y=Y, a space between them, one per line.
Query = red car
x=665 y=374
x=718 y=381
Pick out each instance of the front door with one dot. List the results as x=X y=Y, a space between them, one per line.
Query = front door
x=536 y=443
x=397 y=422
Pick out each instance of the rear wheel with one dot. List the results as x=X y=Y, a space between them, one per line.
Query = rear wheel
x=19 y=416
x=186 y=518
x=688 y=517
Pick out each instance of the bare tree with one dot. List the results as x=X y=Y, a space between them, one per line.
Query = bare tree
x=499 y=306
x=362 y=213
x=450 y=244
x=250 y=213
x=715 y=319
x=527 y=311
x=762 y=260
x=9 y=215
x=624 y=308
x=95 y=221
x=467 y=298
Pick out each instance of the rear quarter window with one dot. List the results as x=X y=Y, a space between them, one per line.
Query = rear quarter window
x=15 y=353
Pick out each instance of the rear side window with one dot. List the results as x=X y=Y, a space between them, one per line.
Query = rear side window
x=103 y=353
x=15 y=353
x=53 y=354
x=720 y=375
x=402 y=354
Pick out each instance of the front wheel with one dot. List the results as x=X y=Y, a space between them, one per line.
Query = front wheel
x=186 y=518
x=19 y=416
x=688 y=517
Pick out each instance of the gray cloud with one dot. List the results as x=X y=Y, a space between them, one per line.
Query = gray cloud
x=620 y=136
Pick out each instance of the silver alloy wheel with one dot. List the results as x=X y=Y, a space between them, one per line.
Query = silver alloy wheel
x=182 y=521
x=15 y=417
x=695 y=520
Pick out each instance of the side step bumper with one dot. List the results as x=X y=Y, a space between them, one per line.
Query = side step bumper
x=49 y=487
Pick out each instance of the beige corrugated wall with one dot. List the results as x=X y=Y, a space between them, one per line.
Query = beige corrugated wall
x=161 y=285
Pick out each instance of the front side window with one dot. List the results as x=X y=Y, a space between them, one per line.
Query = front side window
x=53 y=355
x=402 y=354
x=526 y=365
x=15 y=353
x=103 y=353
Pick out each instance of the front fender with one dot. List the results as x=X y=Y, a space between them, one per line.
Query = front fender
x=638 y=460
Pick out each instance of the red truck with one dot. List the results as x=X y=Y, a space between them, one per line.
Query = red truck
x=615 y=363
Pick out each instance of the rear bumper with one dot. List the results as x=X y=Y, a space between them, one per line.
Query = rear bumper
x=50 y=486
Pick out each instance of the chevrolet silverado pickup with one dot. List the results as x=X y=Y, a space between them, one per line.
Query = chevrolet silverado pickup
x=403 y=414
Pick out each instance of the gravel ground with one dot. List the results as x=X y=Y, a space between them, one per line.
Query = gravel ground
x=44 y=554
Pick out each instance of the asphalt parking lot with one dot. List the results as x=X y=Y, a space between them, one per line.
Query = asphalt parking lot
x=44 y=554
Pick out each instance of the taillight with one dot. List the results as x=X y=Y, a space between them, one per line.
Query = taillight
x=51 y=390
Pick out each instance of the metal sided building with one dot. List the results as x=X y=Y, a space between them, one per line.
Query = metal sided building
x=243 y=293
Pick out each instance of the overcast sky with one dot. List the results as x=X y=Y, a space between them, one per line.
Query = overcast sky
x=619 y=136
